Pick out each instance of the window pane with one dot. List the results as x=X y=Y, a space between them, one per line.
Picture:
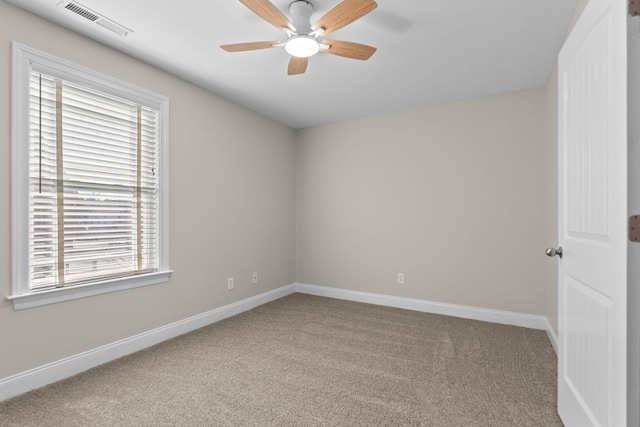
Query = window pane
x=93 y=185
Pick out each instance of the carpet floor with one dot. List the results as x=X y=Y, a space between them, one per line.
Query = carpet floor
x=310 y=361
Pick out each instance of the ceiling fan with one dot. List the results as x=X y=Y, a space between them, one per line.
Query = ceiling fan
x=303 y=39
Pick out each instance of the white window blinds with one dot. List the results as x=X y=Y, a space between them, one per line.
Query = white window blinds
x=93 y=185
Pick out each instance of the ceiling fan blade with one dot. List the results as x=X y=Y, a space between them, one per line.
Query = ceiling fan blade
x=297 y=65
x=344 y=13
x=267 y=11
x=241 y=47
x=349 y=49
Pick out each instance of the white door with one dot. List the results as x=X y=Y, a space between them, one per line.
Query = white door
x=592 y=352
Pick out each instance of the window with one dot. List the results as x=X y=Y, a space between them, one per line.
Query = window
x=89 y=182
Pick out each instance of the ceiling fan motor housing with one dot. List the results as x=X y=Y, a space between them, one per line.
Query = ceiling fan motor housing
x=301 y=12
x=302 y=44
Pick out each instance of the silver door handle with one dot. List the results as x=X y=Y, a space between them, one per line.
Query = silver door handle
x=553 y=252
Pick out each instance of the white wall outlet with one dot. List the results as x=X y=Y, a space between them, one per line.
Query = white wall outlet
x=400 y=278
x=230 y=283
x=254 y=278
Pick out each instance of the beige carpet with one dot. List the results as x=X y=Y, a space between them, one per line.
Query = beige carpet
x=311 y=361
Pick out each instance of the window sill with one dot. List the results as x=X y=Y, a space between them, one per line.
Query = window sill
x=52 y=296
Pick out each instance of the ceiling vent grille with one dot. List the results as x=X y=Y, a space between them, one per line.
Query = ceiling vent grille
x=81 y=11
x=95 y=17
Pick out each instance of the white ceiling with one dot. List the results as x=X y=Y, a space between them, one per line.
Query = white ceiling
x=429 y=51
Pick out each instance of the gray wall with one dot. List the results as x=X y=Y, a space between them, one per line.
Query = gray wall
x=232 y=208
x=452 y=196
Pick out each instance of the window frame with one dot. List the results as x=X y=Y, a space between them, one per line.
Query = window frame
x=26 y=59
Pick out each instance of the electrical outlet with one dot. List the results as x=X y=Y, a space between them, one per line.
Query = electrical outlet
x=230 y=283
x=254 y=278
x=400 y=278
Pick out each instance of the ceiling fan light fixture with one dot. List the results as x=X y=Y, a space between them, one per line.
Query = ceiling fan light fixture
x=302 y=46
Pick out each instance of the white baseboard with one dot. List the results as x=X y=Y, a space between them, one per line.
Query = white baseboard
x=466 y=312
x=553 y=337
x=61 y=369
x=52 y=372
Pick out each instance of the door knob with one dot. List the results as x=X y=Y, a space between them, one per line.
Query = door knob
x=553 y=252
